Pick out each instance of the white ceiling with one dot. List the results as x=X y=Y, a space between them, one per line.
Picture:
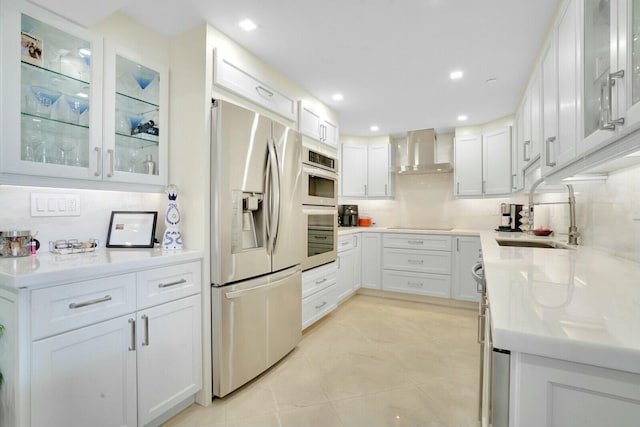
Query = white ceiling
x=390 y=59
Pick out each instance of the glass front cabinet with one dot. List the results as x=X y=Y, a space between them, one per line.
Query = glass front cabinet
x=611 y=70
x=70 y=112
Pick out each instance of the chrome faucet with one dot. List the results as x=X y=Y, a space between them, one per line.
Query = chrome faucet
x=573 y=229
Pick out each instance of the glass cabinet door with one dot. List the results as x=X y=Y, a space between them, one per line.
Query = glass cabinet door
x=597 y=66
x=51 y=107
x=634 y=38
x=135 y=120
x=55 y=82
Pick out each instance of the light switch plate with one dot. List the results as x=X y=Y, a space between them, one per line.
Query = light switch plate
x=55 y=204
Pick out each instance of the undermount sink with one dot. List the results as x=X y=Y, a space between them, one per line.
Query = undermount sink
x=531 y=244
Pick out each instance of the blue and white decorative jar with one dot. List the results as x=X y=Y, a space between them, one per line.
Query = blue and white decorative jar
x=172 y=236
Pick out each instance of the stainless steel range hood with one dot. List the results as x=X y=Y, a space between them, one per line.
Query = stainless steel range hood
x=419 y=152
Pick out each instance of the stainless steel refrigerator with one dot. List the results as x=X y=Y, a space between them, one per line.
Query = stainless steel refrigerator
x=256 y=244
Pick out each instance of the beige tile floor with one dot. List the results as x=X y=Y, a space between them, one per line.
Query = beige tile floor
x=372 y=362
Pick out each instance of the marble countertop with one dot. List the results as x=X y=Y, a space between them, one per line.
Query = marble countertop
x=578 y=304
x=48 y=269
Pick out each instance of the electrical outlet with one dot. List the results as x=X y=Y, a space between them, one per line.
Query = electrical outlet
x=55 y=204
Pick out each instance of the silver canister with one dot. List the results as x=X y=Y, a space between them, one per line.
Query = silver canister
x=16 y=243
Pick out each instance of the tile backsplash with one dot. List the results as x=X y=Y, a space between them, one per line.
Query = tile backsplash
x=95 y=213
x=607 y=213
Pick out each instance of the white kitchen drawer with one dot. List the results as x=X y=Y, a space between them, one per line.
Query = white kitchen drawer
x=417 y=241
x=166 y=284
x=319 y=305
x=437 y=285
x=346 y=242
x=318 y=278
x=62 y=308
x=234 y=78
x=437 y=262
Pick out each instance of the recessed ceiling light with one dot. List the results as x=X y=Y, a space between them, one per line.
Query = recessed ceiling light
x=338 y=97
x=462 y=118
x=247 y=25
x=374 y=128
x=455 y=75
x=82 y=95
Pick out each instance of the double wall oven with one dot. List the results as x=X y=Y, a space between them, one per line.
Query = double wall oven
x=319 y=207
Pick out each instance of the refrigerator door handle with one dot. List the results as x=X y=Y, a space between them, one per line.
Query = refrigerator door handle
x=267 y=198
x=243 y=292
x=274 y=196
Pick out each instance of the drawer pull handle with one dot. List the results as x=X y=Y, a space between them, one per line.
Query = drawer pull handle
x=415 y=284
x=320 y=237
x=321 y=305
x=321 y=281
x=105 y=298
x=345 y=243
x=264 y=92
x=415 y=261
x=177 y=282
x=132 y=344
x=415 y=242
x=145 y=339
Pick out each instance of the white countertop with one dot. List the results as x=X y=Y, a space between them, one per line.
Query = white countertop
x=345 y=231
x=49 y=269
x=579 y=304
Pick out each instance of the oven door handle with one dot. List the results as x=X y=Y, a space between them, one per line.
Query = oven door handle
x=319 y=172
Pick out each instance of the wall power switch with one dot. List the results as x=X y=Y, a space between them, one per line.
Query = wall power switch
x=55 y=204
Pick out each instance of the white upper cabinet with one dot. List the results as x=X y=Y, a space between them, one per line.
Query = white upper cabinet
x=51 y=95
x=496 y=162
x=314 y=125
x=468 y=165
x=611 y=71
x=483 y=164
x=136 y=117
x=364 y=170
x=378 y=170
x=529 y=145
x=69 y=121
x=560 y=91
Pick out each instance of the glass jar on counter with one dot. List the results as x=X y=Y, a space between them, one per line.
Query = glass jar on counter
x=17 y=243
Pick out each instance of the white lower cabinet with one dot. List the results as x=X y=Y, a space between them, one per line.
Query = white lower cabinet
x=168 y=352
x=466 y=254
x=347 y=266
x=371 y=265
x=418 y=271
x=85 y=375
x=551 y=392
x=90 y=368
x=319 y=293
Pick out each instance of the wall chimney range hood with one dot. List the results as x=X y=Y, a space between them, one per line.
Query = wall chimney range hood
x=419 y=153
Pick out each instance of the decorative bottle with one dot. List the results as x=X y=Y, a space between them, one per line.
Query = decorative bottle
x=172 y=236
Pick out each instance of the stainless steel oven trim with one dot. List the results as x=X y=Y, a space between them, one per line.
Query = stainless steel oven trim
x=327 y=257
x=307 y=199
x=306 y=161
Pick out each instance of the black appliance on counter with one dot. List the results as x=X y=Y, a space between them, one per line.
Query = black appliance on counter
x=348 y=215
x=511 y=215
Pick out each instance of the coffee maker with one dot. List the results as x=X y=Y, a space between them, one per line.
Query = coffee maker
x=348 y=215
x=510 y=217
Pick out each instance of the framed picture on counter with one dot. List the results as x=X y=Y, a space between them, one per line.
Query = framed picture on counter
x=132 y=229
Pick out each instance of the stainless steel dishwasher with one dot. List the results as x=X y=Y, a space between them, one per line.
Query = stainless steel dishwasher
x=495 y=363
